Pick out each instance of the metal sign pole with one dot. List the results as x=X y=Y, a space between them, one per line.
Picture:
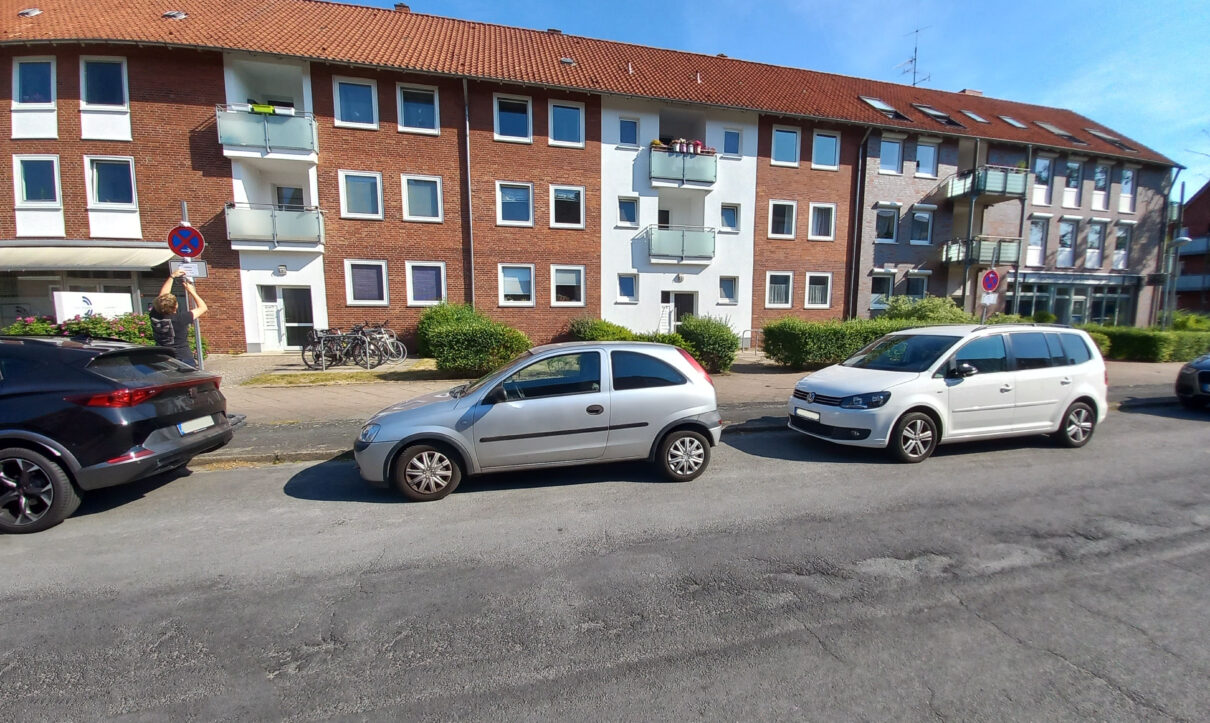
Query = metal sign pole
x=197 y=325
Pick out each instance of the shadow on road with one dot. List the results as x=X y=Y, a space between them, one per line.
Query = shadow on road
x=108 y=498
x=1171 y=411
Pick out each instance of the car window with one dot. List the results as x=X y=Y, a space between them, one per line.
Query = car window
x=1030 y=350
x=555 y=376
x=902 y=352
x=137 y=365
x=1058 y=357
x=1076 y=348
x=987 y=354
x=632 y=370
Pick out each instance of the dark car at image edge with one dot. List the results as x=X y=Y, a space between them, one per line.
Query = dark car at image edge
x=1193 y=383
x=80 y=414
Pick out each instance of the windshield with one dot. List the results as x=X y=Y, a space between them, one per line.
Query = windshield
x=902 y=352
x=464 y=389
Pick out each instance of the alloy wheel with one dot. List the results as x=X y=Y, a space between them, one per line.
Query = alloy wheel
x=26 y=493
x=1079 y=424
x=428 y=472
x=917 y=437
x=686 y=455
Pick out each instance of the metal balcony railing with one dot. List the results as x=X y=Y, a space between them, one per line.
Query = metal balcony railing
x=272 y=128
x=686 y=243
x=683 y=167
x=1001 y=181
x=268 y=222
x=985 y=250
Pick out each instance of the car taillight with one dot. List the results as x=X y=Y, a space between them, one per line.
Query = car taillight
x=132 y=455
x=118 y=398
x=693 y=362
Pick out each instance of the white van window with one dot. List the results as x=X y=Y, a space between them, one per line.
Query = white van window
x=987 y=355
x=1076 y=348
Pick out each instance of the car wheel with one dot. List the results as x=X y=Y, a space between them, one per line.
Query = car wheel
x=424 y=473
x=1079 y=422
x=914 y=438
x=35 y=493
x=684 y=455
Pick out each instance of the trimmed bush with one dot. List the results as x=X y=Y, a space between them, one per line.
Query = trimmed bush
x=1102 y=341
x=440 y=315
x=1128 y=343
x=475 y=347
x=932 y=309
x=713 y=343
x=587 y=328
x=1190 y=321
x=1000 y=318
x=801 y=344
x=672 y=339
x=1044 y=317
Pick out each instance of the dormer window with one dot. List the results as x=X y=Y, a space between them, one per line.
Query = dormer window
x=884 y=108
x=940 y=117
x=1061 y=133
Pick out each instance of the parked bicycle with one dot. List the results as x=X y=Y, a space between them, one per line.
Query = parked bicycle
x=393 y=350
x=327 y=348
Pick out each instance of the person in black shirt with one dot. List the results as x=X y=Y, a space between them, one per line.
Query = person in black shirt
x=170 y=326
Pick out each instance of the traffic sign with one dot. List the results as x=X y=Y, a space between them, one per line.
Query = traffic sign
x=192 y=269
x=186 y=241
x=991 y=280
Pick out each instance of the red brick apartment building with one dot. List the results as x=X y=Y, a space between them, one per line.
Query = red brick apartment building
x=1193 y=284
x=349 y=163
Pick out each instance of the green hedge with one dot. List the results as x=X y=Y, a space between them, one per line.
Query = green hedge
x=1128 y=343
x=714 y=344
x=799 y=344
x=440 y=315
x=587 y=328
x=931 y=309
x=133 y=328
x=475 y=347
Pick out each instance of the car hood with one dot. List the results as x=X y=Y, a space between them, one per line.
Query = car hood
x=841 y=381
x=430 y=400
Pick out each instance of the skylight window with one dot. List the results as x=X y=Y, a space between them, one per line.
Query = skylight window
x=1061 y=133
x=884 y=108
x=29 y=12
x=936 y=115
x=1112 y=140
x=1012 y=121
x=175 y=15
x=975 y=116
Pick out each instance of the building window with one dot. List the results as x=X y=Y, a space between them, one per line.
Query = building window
x=917 y=285
x=729 y=217
x=516 y=284
x=360 y=194
x=881 y=288
x=785 y=146
x=823 y=222
x=890 y=156
x=567 y=286
x=1042 y=171
x=104 y=82
x=628 y=212
x=514 y=121
x=1121 y=248
x=886 y=223
x=731 y=141
x=426 y=282
x=779 y=287
x=36 y=181
x=628 y=288
x=1067 y=244
x=1126 y=197
x=366 y=283
x=356 y=103
x=926 y=159
x=566 y=124
x=419 y=110
x=728 y=290
x=922 y=227
x=514 y=204
x=1093 y=257
x=34 y=82
x=1035 y=255
x=628 y=131
x=567 y=207
x=1071 y=184
x=825 y=151
x=289 y=198
x=111 y=183
x=422 y=199
x=781 y=218
x=819 y=291
x=1100 y=187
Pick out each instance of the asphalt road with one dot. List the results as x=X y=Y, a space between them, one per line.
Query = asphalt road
x=997 y=581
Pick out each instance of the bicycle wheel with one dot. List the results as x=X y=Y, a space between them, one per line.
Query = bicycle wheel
x=364 y=353
x=394 y=352
x=310 y=355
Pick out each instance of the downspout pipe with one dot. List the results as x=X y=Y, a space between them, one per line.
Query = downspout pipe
x=470 y=208
x=858 y=217
x=1023 y=248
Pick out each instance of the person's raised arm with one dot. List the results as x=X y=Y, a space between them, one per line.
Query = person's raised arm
x=199 y=305
x=167 y=287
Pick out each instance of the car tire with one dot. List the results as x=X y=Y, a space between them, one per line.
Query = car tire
x=35 y=492
x=684 y=455
x=914 y=437
x=425 y=472
x=1079 y=422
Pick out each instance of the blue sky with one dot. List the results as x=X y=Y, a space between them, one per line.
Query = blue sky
x=1141 y=68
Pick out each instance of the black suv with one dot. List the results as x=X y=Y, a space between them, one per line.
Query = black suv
x=81 y=414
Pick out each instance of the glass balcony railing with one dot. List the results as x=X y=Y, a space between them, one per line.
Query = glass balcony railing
x=274 y=129
x=1001 y=181
x=683 y=167
x=266 y=222
x=692 y=243
x=982 y=250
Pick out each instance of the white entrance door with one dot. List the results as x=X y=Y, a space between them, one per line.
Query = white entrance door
x=272 y=330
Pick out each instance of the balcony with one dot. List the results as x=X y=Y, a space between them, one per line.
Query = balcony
x=264 y=129
x=680 y=244
x=983 y=250
x=692 y=170
x=262 y=225
x=994 y=183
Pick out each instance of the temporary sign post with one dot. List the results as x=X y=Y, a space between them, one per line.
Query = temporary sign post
x=187 y=242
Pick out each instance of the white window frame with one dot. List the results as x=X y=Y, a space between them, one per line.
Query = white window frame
x=890 y=288
x=529 y=118
x=409 y=265
x=583 y=205
x=835 y=165
x=936 y=158
x=399 y=88
x=19 y=183
x=729 y=229
x=724 y=301
x=739 y=132
x=500 y=206
x=638 y=126
x=790 y=301
x=407 y=215
x=811 y=222
x=621 y=223
x=1126 y=200
x=793 y=218
x=84 y=61
x=386 y=282
x=90 y=191
x=882 y=169
x=1117 y=230
x=908 y=283
x=627 y=299
x=533 y=285
x=797 y=146
x=341 y=175
x=54 y=82
x=932 y=213
x=894 y=227
x=336 y=81
x=807 y=290
x=583 y=284
x=550 y=123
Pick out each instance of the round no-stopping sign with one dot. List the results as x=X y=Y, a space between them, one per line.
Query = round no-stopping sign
x=186 y=241
x=991 y=280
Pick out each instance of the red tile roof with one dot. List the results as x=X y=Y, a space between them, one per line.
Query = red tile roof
x=353 y=34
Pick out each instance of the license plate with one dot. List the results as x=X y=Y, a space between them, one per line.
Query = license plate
x=195 y=425
x=807 y=414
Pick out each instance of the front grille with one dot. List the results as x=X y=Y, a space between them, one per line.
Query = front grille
x=820 y=429
x=823 y=399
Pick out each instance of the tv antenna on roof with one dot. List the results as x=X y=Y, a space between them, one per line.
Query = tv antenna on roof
x=910 y=65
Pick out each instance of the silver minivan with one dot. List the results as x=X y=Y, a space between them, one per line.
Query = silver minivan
x=555 y=405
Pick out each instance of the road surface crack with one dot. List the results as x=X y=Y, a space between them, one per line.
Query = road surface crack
x=1109 y=616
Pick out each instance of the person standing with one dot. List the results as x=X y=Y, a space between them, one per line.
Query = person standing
x=170 y=325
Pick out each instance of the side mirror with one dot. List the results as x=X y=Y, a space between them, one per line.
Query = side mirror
x=495 y=396
x=967 y=370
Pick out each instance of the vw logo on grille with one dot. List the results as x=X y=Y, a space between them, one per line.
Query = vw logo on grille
x=810 y=397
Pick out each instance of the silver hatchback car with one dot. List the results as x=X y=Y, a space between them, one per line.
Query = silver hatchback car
x=555 y=405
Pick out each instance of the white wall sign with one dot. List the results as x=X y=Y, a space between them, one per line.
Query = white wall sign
x=70 y=304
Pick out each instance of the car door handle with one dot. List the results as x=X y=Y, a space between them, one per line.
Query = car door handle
x=1065 y=380
x=595 y=409
x=1006 y=388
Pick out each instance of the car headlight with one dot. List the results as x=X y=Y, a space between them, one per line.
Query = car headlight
x=368 y=433
x=865 y=401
